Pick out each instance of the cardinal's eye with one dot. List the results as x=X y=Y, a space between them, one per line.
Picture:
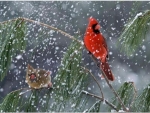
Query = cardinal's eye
x=94 y=29
x=93 y=26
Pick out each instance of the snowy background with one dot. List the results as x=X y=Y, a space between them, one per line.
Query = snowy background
x=70 y=17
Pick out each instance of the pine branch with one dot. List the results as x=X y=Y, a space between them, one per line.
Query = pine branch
x=115 y=93
x=127 y=94
x=135 y=32
x=134 y=94
x=110 y=86
x=142 y=102
x=44 y=25
x=95 y=80
x=10 y=102
x=95 y=107
x=70 y=77
x=12 y=39
x=100 y=98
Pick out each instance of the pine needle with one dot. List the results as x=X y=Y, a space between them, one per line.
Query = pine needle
x=135 y=32
x=126 y=93
x=142 y=102
x=10 y=102
x=70 y=79
x=95 y=107
x=12 y=39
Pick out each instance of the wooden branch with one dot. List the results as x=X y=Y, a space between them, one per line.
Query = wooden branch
x=28 y=89
x=95 y=81
x=44 y=25
x=110 y=86
x=100 y=98
x=53 y=28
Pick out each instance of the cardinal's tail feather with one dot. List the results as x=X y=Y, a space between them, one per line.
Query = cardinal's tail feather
x=106 y=69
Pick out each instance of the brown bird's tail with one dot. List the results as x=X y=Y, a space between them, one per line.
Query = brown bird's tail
x=106 y=69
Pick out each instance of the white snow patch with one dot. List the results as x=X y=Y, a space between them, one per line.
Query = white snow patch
x=104 y=102
x=19 y=57
x=112 y=110
x=63 y=84
x=89 y=88
x=121 y=111
x=118 y=6
x=110 y=53
x=139 y=14
x=85 y=111
x=144 y=47
x=85 y=92
x=31 y=50
x=1 y=89
x=73 y=105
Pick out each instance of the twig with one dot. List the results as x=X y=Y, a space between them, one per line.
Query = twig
x=46 y=25
x=20 y=89
x=28 y=89
x=19 y=23
x=110 y=86
x=95 y=81
x=53 y=28
x=100 y=98
x=115 y=93
x=25 y=91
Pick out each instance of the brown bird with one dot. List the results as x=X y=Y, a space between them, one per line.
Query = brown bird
x=38 y=78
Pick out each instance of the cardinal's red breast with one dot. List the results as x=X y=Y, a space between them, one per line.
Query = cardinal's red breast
x=94 y=41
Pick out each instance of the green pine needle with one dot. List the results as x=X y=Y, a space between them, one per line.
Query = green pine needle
x=126 y=93
x=135 y=32
x=12 y=39
x=95 y=107
x=10 y=102
x=70 y=80
x=142 y=102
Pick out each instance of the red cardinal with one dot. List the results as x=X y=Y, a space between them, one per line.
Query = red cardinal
x=96 y=44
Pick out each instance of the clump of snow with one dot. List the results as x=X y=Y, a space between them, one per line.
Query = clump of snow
x=118 y=6
x=112 y=110
x=139 y=14
x=121 y=111
x=89 y=88
x=18 y=57
x=73 y=105
x=1 y=89
x=144 y=47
